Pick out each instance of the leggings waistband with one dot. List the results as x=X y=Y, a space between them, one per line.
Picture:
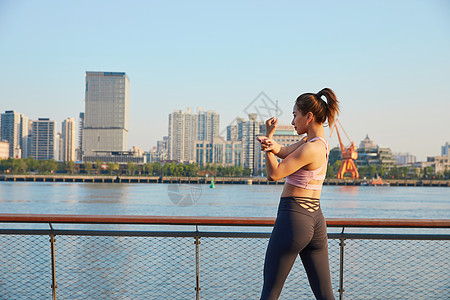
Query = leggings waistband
x=300 y=204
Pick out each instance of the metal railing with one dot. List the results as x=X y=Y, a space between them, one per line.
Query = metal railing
x=212 y=258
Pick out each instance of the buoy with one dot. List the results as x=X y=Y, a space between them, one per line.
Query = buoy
x=212 y=183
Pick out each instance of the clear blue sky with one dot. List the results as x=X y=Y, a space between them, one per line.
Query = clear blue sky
x=387 y=61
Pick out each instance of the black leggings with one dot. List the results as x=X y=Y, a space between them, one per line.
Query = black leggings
x=297 y=231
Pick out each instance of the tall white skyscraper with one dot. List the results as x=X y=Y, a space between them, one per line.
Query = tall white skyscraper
x=14 y=130
x=207 y=125
x=247 y=133
x=106 y=115
x=79 y=149
x=68 y=140
x=43 y=139
x=186 y=127
x=182 y=133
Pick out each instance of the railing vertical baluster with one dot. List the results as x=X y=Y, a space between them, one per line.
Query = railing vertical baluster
x=197 y=265
x=341 y=266
x=52 y=244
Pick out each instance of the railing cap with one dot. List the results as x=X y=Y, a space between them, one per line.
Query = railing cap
x=211 y=221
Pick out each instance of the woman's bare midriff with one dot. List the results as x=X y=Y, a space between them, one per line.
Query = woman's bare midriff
x=290 y=190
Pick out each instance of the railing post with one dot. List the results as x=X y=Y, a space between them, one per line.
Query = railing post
x=52 y=244
x=197 y=265
x=341 y=266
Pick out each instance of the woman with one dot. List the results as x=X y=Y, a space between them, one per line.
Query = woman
x=300 y=227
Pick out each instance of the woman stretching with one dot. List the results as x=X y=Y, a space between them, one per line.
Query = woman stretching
x=300 y=226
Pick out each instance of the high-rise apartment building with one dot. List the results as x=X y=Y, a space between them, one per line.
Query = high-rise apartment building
x=78 y=150
x=207 y=125
x=68 y=140
x=444 y=149
x=43 y=139
x=59 y=154
x=186 y=127
x=182 y=133
x=14 y=130
x=106 y=115
x=247 y=133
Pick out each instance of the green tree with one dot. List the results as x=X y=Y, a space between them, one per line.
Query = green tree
x=157 y=168
x=428 y=172
x=330 y=173
x=148 y=167
x=88 y=167
x=337 y=165
x=32 y=164
x=70 y=167
x=112 y=167
x=131 y=168
x=191 y=170
x=363 y=171
x=98 y=166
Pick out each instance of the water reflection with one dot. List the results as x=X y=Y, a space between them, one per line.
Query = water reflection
x=224 y=200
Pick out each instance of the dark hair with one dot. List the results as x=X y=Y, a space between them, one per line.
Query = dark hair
x=322 y=111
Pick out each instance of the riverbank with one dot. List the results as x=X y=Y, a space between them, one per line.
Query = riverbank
x=207 y=180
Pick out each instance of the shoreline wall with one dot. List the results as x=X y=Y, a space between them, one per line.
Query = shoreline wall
x=207 y=180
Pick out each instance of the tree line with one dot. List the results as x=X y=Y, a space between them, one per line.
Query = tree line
x=33 y=166
x=393 y=172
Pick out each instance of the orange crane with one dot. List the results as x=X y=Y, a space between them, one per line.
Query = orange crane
x=349 y=155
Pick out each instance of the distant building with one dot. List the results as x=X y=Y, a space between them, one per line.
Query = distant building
x=367 y=143
x=207 y=125
x=43 y=136
x=163 y=146
x=106 y=115
x=160 y=152
x=404 y=159
x=247 y=133
x=371 y=154
x=79 y=149
x=444 y=151
x=59 y=155
x=440 y=164
x=136 y=151
x=68 y=140
x=120 y=157
x=218 y=151
x=182 y=133
x=4 y=150
x=233 y=130
x=186 y=127
x=15 y=131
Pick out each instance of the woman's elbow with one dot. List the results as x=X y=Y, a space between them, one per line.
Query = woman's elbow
x=272 y=178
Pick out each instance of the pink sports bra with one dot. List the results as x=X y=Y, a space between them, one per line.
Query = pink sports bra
x=301 y=178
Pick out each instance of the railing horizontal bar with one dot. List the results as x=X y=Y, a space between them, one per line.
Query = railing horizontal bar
x=377 y=236
x=217 y=221
x=135 y=233
x=211 y=234
x=98 y=232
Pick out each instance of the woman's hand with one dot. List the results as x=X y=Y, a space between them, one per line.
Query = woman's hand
x=271 y=126
x=268 y=145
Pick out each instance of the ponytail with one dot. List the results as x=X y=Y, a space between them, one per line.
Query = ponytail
x=331 y=106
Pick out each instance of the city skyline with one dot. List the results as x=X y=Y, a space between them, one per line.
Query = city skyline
x=386 y=62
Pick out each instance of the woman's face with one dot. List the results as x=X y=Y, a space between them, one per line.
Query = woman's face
x=299 y=121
